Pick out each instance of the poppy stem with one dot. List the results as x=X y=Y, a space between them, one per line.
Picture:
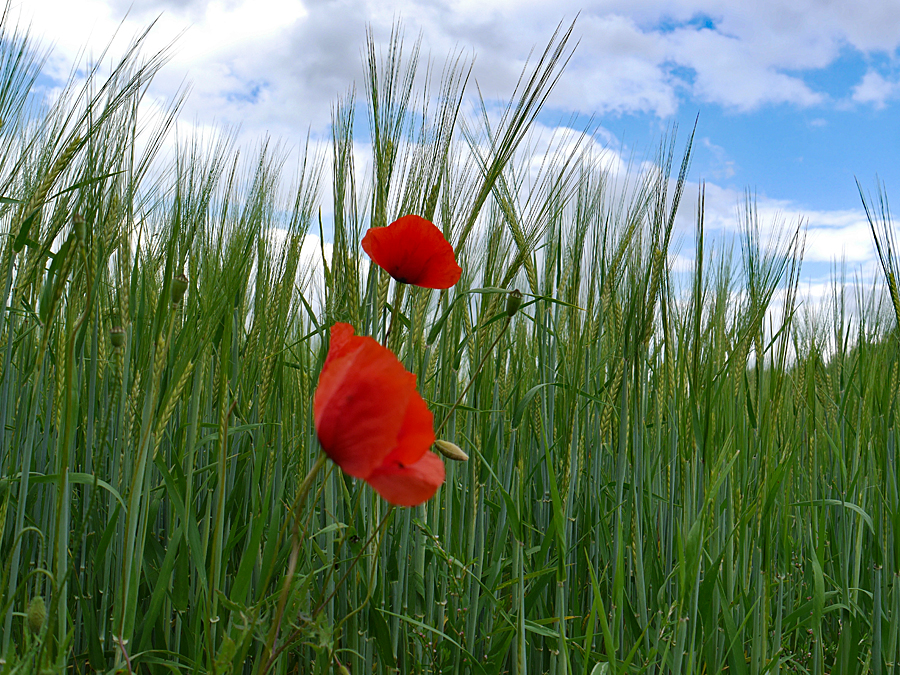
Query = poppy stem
x=340 y=546
x=355 y=560
x=298 y=632
x=390 y=339
x=472 y=378
x=292 y=563
x=379 y=317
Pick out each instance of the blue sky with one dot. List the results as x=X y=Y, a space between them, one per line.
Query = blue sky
x=796 y=98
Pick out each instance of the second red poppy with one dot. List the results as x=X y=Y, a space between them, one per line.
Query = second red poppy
x=413 y=251
x=372 y=422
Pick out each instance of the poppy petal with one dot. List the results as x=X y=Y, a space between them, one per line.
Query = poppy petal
x=360 y=402
x=413 y=251
x=409 y=485
x=416 y=433
x=342 y=341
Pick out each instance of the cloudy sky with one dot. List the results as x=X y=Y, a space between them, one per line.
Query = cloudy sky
x=796 y=98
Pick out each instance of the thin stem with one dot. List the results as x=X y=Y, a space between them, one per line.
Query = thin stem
x=472 y=378
x=356 y=560
x=390 y=338
x=343 y=539
x=292 y=563
x=371 y=584
x=298 y=632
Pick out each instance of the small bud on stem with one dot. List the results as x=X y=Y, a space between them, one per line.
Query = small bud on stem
x=37 y=614
x=179 y=286
x=513 y=302
x=451 y=450
x=78 y=226
x=117 y=336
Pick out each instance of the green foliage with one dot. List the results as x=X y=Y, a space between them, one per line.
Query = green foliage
x=668 y=472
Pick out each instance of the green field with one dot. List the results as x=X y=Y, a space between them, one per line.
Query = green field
x=670 y=471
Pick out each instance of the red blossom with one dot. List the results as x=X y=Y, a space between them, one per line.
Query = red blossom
x=373 y=423
x=413 y=251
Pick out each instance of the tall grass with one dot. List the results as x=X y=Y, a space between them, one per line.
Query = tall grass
x=669 y=473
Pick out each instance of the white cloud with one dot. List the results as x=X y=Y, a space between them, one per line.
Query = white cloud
x=618 y=68
x=835 y=235
x=832 y=236
x=278 y=65
x=723 y=166
x=737 y=72
x=875 y=89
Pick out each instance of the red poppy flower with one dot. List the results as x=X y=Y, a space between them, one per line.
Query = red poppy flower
x=413 y=251
x=373 y=423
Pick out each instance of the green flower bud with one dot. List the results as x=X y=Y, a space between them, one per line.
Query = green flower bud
x=513 y=302
x=78 y=226
x=37 y=614
x=179 y=286
x=451 y=451
x=117 y=336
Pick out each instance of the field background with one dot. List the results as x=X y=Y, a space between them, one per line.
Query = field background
x=671 y=471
